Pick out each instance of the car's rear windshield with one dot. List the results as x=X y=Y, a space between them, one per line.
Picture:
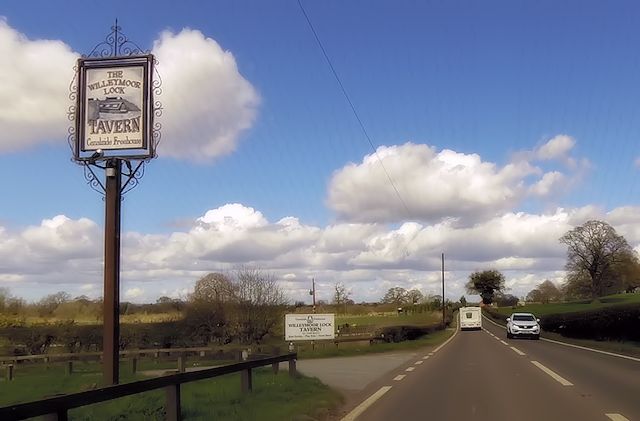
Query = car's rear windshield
x=523 y=318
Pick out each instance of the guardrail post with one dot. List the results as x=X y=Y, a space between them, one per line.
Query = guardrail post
x=172 y=405
x=275 y=367
x=69 y=368
x=246 y=380
x=292 y=368
x=134 y=365
x=9 y=375
x=181 y=368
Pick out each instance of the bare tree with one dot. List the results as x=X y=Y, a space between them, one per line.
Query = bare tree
x=414 y=296
x=593 y=251
x=395 y=295
x=544 y=293
x=259 y=304
x=341 y=294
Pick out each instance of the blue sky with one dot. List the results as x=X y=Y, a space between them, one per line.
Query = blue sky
x=495 y=80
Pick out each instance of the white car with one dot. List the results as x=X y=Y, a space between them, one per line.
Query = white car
x=523 y=324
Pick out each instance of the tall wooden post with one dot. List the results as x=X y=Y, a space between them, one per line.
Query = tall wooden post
x=111 y=307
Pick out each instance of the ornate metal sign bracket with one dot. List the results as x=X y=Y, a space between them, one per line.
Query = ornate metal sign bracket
x=116 y=44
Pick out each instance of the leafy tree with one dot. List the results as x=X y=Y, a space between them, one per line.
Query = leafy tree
x=414 y=296
x=544 y=293
x=627 y=272
x=395 y=295
x=208 y=309
x=463 y=301
x=594 y=250
x=485 y=283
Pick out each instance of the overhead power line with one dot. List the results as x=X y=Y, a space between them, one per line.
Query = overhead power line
x=353 y=109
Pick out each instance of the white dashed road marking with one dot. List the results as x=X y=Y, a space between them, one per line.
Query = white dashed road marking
x=410 y=369
x=616 y=417
x=399 y=377
x=426 y=357
x=553 y=374
x=503 y=342
x=419 y=362
x=358 y=410
x=517 y=351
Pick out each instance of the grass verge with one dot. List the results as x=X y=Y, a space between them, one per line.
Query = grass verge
x=274 y=397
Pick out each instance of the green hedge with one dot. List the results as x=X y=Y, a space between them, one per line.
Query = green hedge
x=495 y=315
x=409 y=333
x=619 y=323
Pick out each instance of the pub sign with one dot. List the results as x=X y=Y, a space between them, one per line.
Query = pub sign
x=115 y=107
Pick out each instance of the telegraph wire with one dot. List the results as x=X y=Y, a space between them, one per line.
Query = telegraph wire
x=353 y=108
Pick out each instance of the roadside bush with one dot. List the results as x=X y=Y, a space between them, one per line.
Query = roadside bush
x=495 y=315
x=618 y=323
x=409 y=333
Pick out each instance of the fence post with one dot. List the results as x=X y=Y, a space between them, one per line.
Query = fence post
x=172 y=405
x=275 y=367
x=9 y=375
x=134 y=364
x=292 y=367
x=246 y=380
x=69 y=368
x=181 y=364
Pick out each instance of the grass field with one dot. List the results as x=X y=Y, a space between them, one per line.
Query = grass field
x=390 y=319
x=582 y=305
x=274 y=397
x=328 y=349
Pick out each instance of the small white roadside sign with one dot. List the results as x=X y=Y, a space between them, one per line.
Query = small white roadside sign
x=309 y=327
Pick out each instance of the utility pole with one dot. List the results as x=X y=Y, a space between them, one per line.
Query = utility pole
x=313 y=293
x=443 y=302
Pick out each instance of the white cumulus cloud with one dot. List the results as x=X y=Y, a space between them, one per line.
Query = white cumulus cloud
x=558 y=147
x=33 y=104
x=207 y=103
x=433 y=185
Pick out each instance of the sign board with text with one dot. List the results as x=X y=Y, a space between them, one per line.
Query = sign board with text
x=309 y=327
x=115 y=106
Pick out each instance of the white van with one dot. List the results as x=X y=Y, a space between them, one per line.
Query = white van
x=470 y=318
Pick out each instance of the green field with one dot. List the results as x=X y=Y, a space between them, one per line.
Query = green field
x=274 y=397
x=582 y=305
x=389 y=319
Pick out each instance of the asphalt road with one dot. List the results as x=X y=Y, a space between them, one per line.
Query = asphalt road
x=479 y=375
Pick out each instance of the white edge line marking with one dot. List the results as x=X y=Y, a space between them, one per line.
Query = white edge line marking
x=503 y=342
x=553 y=374
x=517 y=351
x=399 y=377
x=613 y=354
x=358 y=410
x=446 y=342
x=418 y=362
x=410 y=369
x=617 y=417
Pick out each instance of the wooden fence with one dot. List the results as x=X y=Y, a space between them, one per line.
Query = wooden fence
x=57 y=408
